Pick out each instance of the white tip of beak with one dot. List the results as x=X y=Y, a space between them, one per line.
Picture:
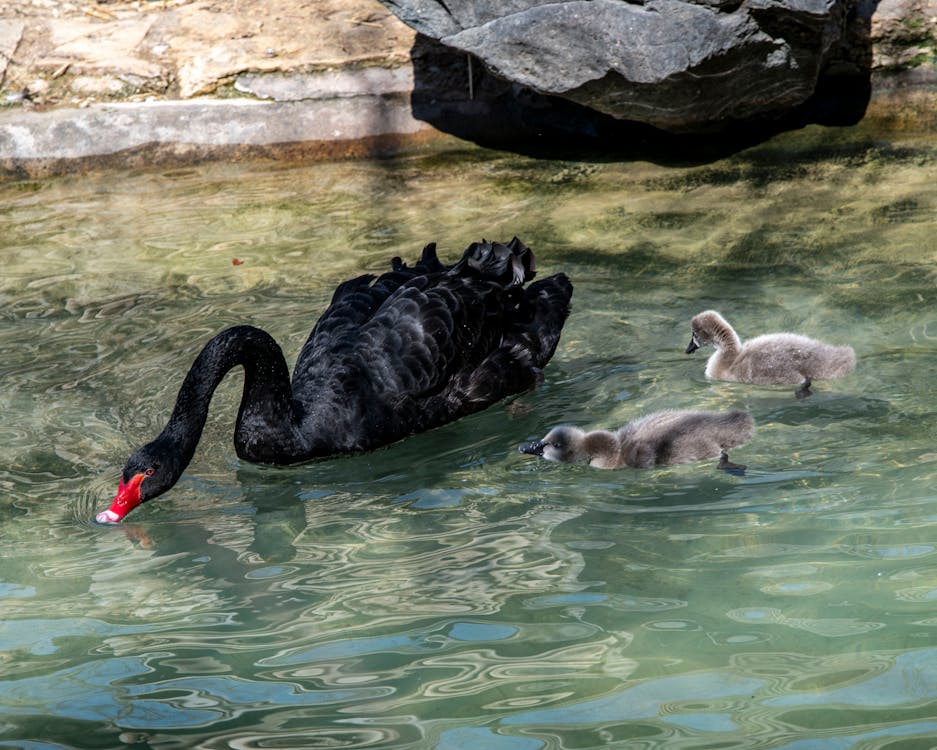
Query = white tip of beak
x=107 y=516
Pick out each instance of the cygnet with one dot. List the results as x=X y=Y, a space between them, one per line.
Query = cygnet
x=659 y=439
x=771 y=359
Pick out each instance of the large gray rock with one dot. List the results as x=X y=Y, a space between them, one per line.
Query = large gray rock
x=680 y=66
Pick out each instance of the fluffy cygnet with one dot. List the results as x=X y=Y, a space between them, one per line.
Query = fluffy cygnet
x=774 y=358
x=659 y=439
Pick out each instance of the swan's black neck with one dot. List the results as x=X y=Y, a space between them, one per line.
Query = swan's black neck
x=266 y=428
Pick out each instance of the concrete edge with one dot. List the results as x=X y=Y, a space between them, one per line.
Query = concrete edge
x=341 y=117
x=134 y=134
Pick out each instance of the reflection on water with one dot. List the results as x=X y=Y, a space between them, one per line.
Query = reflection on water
x=447 y=591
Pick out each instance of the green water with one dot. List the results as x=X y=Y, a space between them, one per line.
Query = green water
x=448 y=591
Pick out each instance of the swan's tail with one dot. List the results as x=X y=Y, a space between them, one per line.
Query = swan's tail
x=736 y=428
x=542 y=309
x=548 y=304
x=510 y=265
x=834 y=362
x=428 y=263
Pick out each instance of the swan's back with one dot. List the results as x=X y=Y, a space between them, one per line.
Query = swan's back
x=678 y=437
x=789 y=358
x=420 y=346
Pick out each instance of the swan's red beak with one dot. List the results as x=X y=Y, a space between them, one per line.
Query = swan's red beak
x=128 y=498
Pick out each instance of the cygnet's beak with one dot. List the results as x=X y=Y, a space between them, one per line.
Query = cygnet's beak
x=692 y=346
x=534 y=449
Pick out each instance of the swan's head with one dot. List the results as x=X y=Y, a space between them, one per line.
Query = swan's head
x=148 y=473
x=708 y=327
x=562 y=444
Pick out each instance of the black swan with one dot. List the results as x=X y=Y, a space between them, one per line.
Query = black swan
x=392 y=356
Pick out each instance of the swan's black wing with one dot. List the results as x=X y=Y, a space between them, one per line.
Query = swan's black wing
x=354 y=302
x=458 y=345
x=415 y=350
x=428 y=332
x=373 y=353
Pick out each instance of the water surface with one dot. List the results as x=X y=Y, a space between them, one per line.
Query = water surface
x=447 y=591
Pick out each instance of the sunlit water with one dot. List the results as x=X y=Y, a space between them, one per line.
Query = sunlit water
x=448 y=591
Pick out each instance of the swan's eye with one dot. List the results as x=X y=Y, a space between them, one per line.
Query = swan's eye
x=148 y=472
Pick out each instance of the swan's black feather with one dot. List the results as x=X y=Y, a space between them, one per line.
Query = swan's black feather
x=431 y=343
x=510 y=264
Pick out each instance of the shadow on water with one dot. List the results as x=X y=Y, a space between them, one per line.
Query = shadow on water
x=457 y=95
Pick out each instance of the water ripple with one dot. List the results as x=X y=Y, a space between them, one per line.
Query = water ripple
x=448 y=591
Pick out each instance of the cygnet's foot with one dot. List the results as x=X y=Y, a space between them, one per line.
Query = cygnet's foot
x=727 y=466
x=804 y=389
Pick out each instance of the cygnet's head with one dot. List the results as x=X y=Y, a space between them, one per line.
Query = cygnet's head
x=562 y=444
x=707 y=328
